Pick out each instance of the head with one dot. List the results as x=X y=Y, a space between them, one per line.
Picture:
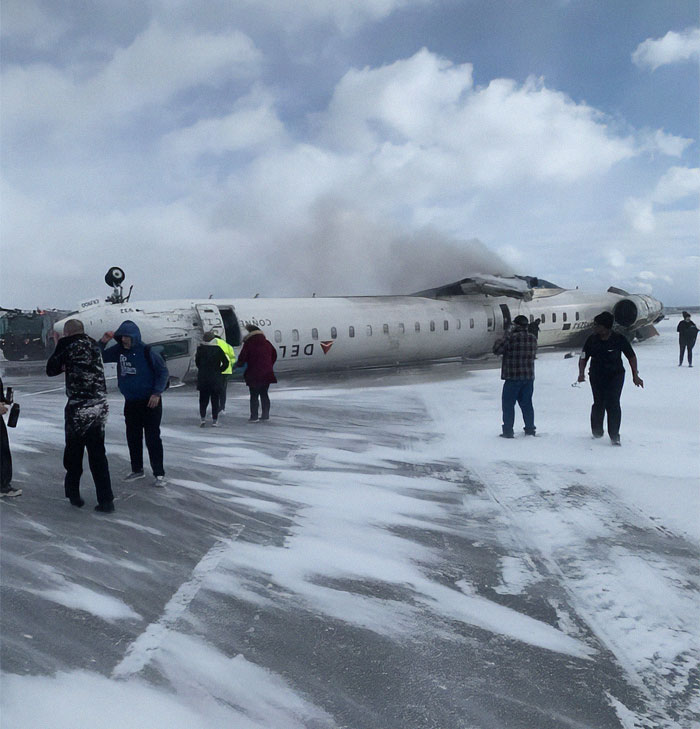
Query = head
x=128 y=334
x=252 y=328
x=209 y=336
x=73 y=326
x=520 y=321
x=604 y=322
x=686 y=315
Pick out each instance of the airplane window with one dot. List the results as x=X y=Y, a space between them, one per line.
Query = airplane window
x=445 y=325
x=432 y=326
x=172 y=349
x=369 y=330
x=295 y=335
x=543 y=318
x=489 y=323
x=563 y=316
x=334 y=333
x=471 y=323
x=278 y=336
x=351 y=331
x=401 y=329
x=314 y=333
x=577 y=316
x=385 y=329
x=554 y=317
x=417 y=326
x=532 y=318
x=459 y=323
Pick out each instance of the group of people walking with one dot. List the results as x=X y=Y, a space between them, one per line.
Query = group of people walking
x=142 y=377
x=216 y=361
x=604 y=348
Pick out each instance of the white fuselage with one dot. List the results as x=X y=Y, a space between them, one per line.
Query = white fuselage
x=342 y=332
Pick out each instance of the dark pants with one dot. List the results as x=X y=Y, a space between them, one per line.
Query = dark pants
x=606 y=399
x=94 y=440
x=222 y=394
x=144 y=421
x=519 y=391
x=5 y=457
x=205 y=394
x=261 y=393
x=683 y=346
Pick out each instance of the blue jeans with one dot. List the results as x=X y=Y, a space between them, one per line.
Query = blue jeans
x=519 y=391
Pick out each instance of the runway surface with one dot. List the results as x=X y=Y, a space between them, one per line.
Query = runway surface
x=375 y=557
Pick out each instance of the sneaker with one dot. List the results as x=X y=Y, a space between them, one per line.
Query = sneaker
x=160 y=481
x=106 y=508
x=214 y=423
x=77 y=502
x=507 y=435
x=598 y=434
x=10 y=491
x=202 y=423
x=253 y=420
x=615 y=440
x=135 y=476
x=530 y=432
x=265 y=417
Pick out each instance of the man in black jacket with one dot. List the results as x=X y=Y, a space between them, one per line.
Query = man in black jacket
x=211 y=362
x=687 y=334
x=79 y=357
x=607 y=374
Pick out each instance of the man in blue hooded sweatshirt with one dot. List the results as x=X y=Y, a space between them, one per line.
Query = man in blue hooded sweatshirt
x=142 y=376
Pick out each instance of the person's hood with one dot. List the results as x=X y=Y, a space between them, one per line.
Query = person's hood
x=253 y=334
x=128 y=329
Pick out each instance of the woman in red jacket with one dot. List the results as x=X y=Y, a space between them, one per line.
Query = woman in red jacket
x=259 y=356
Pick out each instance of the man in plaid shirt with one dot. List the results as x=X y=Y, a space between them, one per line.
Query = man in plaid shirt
x=518 y=348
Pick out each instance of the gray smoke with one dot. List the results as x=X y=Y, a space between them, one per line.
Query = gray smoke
x=342 y=251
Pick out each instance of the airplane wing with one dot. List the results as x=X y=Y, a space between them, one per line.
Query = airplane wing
x=512 y=286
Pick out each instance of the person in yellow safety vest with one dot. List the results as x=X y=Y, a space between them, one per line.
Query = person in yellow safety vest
x=231 y=355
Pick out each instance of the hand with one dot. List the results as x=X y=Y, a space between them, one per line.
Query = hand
x=106 y=337
x=153 y=401
x=638 y=381
x=3 y=408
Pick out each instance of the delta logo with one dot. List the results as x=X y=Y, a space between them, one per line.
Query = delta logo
x=325 y=346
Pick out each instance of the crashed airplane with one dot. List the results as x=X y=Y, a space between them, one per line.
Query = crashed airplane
x=459 y=320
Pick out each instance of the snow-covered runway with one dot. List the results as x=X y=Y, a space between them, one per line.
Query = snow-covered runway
x=374 y=557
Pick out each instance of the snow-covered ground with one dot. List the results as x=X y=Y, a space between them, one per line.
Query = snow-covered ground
x=376 y=556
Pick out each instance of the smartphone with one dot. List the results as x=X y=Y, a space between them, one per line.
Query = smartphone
x=9 y=395
x=13 y=417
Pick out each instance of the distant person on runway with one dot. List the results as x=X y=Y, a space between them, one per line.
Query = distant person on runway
x=78 y=356
x=687 y=334
x=6 y=488
x=259 y=356
x=607 y=374
x=142 y=377
x=211 y=362
x=518 y=348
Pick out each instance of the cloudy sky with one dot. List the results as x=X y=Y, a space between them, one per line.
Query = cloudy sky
x=376 y=146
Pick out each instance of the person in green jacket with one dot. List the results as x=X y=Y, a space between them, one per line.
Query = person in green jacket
x=231 y=356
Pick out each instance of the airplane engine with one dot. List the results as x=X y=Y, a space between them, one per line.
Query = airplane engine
x=637 y=311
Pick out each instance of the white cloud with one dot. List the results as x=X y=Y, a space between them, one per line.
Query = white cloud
x=24 y=20
x=156 y=66
x=672 y=48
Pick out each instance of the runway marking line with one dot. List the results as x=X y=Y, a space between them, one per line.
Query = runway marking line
x=143 y=649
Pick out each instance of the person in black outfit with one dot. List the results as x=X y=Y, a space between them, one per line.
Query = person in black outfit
x=79 y=357
x=607 y=374
x=6 y=488
x=687 y=334
x=211 y=362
